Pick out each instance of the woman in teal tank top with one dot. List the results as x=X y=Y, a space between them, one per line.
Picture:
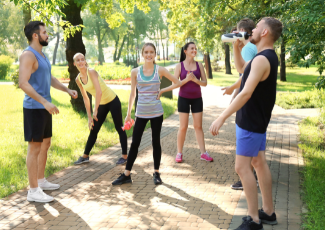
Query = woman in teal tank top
x=147 y=80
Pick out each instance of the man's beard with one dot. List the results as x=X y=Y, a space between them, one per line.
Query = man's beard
x=255 y=40
x=42 y=42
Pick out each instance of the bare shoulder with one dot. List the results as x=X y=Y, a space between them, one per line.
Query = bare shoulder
x=200 y=65
x=260 y=61
x=27 y=56
x=134 y=71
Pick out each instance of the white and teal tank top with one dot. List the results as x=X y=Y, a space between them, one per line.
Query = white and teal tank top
x=148 y=87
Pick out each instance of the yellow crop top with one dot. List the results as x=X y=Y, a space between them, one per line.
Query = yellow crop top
x=107 y=93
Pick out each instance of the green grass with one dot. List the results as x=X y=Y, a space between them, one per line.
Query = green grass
x=313 y=147
x=57 y=71
x=70 y=134
x=308 y=99
x=298 y=79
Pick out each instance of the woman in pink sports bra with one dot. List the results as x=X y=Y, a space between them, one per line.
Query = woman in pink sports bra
x=192 y=76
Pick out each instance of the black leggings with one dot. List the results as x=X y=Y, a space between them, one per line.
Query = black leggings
x=138 y=130
x=115 y=108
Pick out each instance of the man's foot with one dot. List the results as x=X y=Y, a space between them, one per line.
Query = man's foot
x=179 y=158
x=205 y=156
x=81 y=160
x=237 y=186
x=265 y=218
x=38 y=196
x=249 y=224
x=45 y=185
x=122 y=179
x=156 y=178
x=121 y=161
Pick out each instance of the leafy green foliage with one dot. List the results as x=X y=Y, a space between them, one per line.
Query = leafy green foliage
x=113 y=72
x=14 y=76
x=307 y=99
x=320 y=84
x=5 y=64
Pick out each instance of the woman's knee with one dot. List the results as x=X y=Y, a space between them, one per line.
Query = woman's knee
x=183 y=129
x=197 y=127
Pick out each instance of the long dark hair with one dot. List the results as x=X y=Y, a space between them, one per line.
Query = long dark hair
x=149 y=44
x=183 y=55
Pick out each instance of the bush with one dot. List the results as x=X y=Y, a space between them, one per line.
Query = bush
x=65 y=74
x=5 y=63
x=320 y=84
x=307 y=99
x=113 y=72
x=117 y=62
x=15 y=78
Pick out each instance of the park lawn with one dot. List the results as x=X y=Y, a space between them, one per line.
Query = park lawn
x=298 y=79
x=70 y=134
x=313 y=147
x=58 y=70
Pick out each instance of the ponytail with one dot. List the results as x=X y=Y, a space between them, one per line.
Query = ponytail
x=183 y=55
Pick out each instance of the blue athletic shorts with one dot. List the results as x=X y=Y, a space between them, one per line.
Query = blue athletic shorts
x=249 y=143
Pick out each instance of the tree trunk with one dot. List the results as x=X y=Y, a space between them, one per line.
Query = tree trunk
x=227 y=59
x=74 y=45
x=121 y=48
x=283 y=61
x=101 y=59
x=207 y=63
x=56 y=47
x=163 y=47
x=116 y=48
x=27 y=14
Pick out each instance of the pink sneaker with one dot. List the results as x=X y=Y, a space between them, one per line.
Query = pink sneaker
x=179 y=158
x=205 y=156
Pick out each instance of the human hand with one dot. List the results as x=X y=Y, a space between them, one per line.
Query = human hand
x=95 y=115
x=216 y=125
x=90 y=123
x=190 y=76
x=73 y=93
x=228 y=90
x=159 y=94
x=52 y=109
x=128 y=119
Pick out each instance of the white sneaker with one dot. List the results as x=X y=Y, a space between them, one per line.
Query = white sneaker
x=48 y=185
x=39 y=196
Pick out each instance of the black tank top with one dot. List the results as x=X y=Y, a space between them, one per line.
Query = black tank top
x=255 y=115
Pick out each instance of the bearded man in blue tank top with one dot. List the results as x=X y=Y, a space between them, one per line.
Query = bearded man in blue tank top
x=254 y=105
x=35 y=80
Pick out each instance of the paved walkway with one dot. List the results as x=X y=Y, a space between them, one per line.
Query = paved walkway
x=194 y=195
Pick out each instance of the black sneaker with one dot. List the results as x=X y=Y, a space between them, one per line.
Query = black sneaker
x=156 y=178
x=122 y=179
x=265 y=218
x=81 y=160
x=249 y=224
x=237 y=186
x=121 y=161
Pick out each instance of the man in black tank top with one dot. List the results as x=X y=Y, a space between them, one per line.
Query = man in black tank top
x=254 y=105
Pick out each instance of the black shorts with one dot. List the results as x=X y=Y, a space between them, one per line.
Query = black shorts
x=37 y=124
x=185 y=103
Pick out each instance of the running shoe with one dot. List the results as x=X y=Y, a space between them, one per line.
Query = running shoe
x=237 y=186
x=121 y=161
x=122 y=179
x=156 y=178
x=206 y=157
x=179 y=158
x=38 y=196
x=81 y=160
x=249 y=224
x=265 y=218
x=45 y=185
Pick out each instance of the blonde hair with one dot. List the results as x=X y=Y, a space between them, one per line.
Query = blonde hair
x=74 y=58
x=149 y=44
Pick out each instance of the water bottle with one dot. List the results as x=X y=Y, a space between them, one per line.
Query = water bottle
x=128 y=125
x=234 y=36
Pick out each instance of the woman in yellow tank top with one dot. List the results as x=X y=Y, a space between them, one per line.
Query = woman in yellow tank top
x=106 y=101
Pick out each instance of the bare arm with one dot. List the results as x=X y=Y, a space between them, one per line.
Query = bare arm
x=132 y=94
x=239 y=61
x=94 y=78
x=260 y=67
x=85 y=98
x=203 y=81
x=27 y=61
x=58 y=85
x=177 y=74
x=230 y=89
x=162 y=71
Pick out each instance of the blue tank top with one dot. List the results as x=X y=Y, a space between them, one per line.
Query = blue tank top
x=40 y=80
